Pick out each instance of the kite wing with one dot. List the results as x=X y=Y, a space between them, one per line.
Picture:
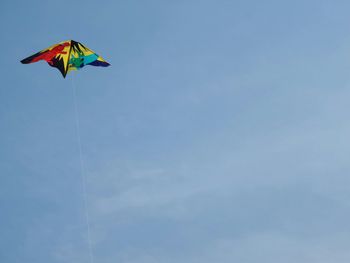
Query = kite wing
x=56 y=56
x=66 y=56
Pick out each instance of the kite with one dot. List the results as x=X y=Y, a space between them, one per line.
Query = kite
x=66 y=56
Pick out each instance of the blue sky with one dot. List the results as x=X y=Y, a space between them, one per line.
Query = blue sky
x=219 y=134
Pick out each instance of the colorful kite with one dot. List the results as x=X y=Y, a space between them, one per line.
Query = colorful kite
x=66 y=56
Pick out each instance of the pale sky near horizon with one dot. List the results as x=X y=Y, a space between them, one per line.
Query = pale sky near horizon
x=220 y=133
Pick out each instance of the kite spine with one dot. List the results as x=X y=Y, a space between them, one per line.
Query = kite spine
x=66 y=70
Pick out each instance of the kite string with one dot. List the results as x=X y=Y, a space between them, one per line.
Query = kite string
x=82 y=170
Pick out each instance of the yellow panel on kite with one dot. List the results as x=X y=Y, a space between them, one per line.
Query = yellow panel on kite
x=66 y=56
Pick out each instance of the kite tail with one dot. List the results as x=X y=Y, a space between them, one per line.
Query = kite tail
x=82 y=171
